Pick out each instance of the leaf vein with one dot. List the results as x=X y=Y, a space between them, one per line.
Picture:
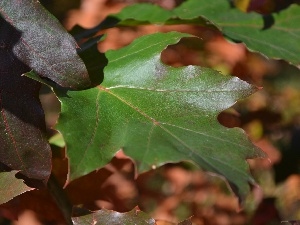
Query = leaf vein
x=93 y=135
x=11 y=136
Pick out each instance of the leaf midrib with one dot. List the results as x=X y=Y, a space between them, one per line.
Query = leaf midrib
x=158 y=123
x=93 y=134
x=177 y=90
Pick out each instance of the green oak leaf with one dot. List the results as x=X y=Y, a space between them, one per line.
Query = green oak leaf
x=156 y=114
x=104 y=216
x=280 y=40
x=151 y=13
x=11 y=186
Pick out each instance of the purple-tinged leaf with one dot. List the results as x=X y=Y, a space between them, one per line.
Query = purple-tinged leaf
x=23 y=145
x=43 y=44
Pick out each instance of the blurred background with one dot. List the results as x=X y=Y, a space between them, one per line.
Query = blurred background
x=174 y=192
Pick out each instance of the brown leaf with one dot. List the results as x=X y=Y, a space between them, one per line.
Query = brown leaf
x=38 y=201
x=11 y=186
x=186 y=222
x=104 y=216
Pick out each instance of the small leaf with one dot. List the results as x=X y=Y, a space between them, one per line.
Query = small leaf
x=104 y=217
x=151 y=13
x=11 y=186
x=57 y=140
x=157 y=114
x=44 y=44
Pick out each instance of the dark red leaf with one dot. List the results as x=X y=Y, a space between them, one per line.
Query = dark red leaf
x=44 y=45
x=24 y=146
x=266 y=213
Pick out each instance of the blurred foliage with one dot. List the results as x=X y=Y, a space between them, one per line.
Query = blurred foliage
x=59 y=7
x=174 y=192
x=263 y=6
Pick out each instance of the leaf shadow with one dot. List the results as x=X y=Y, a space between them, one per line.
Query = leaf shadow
x=19 y=94
x=87 y=40
x=268 y=20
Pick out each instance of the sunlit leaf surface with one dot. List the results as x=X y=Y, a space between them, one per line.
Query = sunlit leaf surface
x=43 y=44
x=157 y=114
